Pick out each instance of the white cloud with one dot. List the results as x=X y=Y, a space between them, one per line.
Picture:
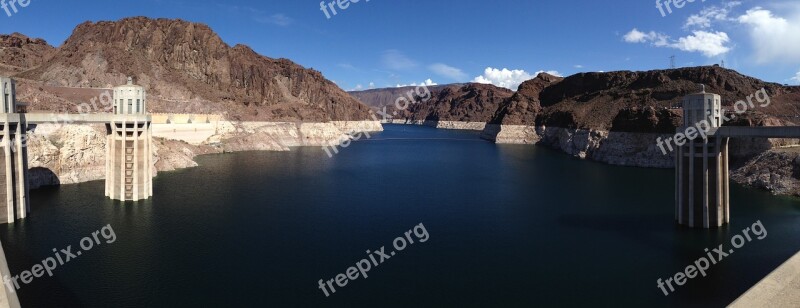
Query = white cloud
x=372 y=85
x=505 y=78
x=276 y=19
x=711 y=44
x=708 y=43
x=445 y=70
x=358 y=87
x=775 y=39
x=396 y=60
x=710 y=14
x=796 y=78
x=578 y=66
x=427 y=82
x=636 y=36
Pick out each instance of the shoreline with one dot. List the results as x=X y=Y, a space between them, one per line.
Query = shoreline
x=762 y=164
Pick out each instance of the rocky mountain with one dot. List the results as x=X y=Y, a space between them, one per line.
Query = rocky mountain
x=186 y=67
x=524 y=106
x=617 y=101
x=19 y=53
x=468 y=103
x=471 y=102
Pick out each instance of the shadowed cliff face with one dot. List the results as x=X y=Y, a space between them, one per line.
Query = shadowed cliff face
x=469 y=103
x=525 y=106
x=19 y=53
x=186 y=67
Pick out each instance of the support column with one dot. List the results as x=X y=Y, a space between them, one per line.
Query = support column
x=727 y=182
x=8 y=172
x=135 y=156
x=691 y=184
x=706 y=218
x=22 y=170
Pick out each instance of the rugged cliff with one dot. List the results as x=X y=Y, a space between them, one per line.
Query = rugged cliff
x=468 y=103
x=616 y=118
x=19 y=53
x=186 y=67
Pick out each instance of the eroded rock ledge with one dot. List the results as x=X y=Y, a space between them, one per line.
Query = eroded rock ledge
x=69 y=154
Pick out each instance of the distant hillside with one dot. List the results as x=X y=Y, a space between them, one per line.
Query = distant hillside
x=186 y=67
x=468 y=103
x=387 y=96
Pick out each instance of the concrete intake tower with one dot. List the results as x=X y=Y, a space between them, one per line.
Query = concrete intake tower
x=129 y=159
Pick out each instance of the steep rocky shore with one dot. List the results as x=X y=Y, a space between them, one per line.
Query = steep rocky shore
x=69 y=154
x=616 y=117
x=776 y=170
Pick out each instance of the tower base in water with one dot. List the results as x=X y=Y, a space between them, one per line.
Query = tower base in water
x=129 y=173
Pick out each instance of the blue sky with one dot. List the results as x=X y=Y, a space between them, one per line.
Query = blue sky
x=384 y=43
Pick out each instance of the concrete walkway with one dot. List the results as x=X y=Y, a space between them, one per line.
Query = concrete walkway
x=781 y=288
x=7 y=298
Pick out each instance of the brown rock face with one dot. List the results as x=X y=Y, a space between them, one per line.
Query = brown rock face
x=19 y=53
x=186 y=67
x=524 y=106
x=777 y=171
x=648 y=120
x=469 y=103
x=601 y=100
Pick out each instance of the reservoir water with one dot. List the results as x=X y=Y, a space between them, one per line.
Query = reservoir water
x=509 y=226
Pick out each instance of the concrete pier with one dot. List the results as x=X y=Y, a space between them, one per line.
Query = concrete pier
x=129 y=160
x=13 y=156
x=702 y=170
x=129 y=156
x=701 y=166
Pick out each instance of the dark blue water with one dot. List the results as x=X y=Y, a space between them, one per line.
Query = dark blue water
x=509 y=226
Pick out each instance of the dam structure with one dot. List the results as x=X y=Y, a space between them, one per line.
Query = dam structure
x=14 y=201
x=129 y=159
x=702 y=170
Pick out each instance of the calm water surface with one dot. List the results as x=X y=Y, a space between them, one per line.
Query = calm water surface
x=510 y=226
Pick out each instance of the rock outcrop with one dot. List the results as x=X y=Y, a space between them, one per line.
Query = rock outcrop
x=186 y=68
x=469 y=103
x=19 y=53
x=69 y=154
x=777 y=171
